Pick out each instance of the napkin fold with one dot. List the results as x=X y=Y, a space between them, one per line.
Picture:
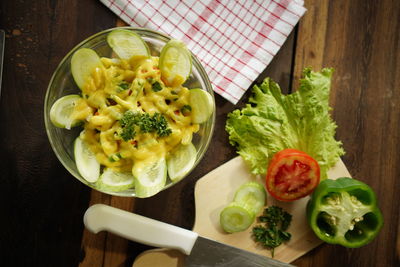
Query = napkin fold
x=234 y=40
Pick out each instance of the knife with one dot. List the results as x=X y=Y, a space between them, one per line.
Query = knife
x=200 y=251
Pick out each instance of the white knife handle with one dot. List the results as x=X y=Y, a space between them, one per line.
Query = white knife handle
x=134 y=227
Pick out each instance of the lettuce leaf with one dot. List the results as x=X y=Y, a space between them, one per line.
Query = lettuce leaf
x=272 y=122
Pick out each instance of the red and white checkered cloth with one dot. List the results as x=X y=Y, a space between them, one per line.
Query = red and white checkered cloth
x=234 y=39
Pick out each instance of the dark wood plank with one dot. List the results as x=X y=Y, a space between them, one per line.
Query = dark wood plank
x=360 y=39
x=106 y=249
x=43 y=204
x=94 y=246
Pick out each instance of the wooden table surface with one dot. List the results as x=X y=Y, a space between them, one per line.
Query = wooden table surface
x=43 y=204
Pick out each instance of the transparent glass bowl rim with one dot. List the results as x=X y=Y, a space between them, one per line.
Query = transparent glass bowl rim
x=153 y=34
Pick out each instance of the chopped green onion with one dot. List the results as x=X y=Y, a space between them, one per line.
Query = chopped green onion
x=122 y=86
x=156 y=87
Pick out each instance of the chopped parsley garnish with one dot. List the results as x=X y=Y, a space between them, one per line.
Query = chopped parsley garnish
x=132 y=122
x=145 y=123
x=274 y=232
x=128 y=122
x=160 y=125
x=156 y=87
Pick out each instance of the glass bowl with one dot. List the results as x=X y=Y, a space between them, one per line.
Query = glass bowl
x=62 y=84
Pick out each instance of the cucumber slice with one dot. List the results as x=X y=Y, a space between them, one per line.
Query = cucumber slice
x=86 y=161
x=83 y=62
x=252 y=196
x=202 y=105
x=150 y=177
x=175 y=62
x=115 y=181
x=127 y=44
x=236 y=218
x=181 y=161
x=60 y=112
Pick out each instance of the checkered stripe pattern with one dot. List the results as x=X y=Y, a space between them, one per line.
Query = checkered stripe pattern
x=233 y=39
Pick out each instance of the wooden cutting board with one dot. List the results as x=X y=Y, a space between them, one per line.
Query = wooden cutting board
x=214 y=191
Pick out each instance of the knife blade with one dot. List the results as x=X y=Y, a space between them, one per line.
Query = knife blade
x=200 y=251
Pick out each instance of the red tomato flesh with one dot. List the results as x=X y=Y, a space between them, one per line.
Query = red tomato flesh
x=292 y=174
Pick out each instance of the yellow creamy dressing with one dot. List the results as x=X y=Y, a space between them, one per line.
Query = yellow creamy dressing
x=104 y=103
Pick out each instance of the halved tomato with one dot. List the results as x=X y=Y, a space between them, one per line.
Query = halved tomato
x=292 y=174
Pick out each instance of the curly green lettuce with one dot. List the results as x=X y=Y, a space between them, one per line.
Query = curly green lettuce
x=273 y=121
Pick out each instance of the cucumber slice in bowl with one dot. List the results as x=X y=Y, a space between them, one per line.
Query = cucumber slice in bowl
x=236 y=218
x=86 y=161
x=61 y=110
x=252 y=196
x=111 y=180
x=150 y=177
x=83 y=62
x=202 y=105
x=127 y=44
x=175 y=62
x=181 y=161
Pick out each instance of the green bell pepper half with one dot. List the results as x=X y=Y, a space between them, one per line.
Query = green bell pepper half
x=344 y=212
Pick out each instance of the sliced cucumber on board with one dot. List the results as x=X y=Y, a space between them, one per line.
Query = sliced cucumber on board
x=236 y=218
x=252 y=196
x=248 y=201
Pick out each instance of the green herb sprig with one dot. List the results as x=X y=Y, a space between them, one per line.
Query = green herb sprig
x=156 y=86
x=132 y=122
x=273 y=233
